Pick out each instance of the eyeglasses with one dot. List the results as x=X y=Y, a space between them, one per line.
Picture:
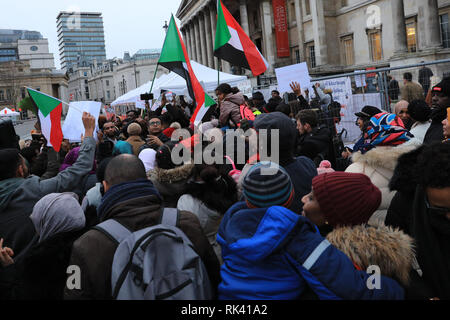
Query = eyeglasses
x=155 y=123
x=438 y=210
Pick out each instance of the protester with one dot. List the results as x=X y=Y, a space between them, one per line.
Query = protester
x=134 y=131
x=431 y=218
x=411 y=90
x=148 y=158
x=401 y=110
x=314 y=140
x=441 y=101
x=265 y=247
x=94 y=195
x=134 y=202
x=59 y=221
x=258 y=100
x=378 y=157
x=324 y=167
x=19 y=192
x=393 y=89
x=301 y=170
x=446 y=126
x=210 y=193
x=156 y=137
x=170 y=179
x=425 y=74
x=230 y=100
x=419 y=113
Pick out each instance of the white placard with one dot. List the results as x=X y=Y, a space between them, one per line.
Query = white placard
x=296 y=72
x=360 y=80
x=73 y=125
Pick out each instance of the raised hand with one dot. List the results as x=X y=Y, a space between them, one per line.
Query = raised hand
x=295 y=86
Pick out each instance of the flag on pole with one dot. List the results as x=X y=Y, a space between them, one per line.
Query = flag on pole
x=233 y=45
x=175 y=58
x=49 y=111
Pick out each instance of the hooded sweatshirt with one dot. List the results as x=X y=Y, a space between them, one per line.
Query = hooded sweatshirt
x=230 y=112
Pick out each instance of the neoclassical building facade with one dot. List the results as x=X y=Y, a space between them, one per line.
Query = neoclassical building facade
x=332 y=36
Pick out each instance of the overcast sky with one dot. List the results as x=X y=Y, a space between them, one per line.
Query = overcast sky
x=129 y=25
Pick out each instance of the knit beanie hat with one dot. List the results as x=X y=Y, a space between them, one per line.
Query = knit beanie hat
x=419 y=110
x=346 y=199
x=266 y=185
x=134 y=129
x=325 y=167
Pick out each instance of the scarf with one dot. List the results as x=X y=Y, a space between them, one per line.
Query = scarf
x=57 y=213
x=385 y=130
x=124 y=192
x=432 y=235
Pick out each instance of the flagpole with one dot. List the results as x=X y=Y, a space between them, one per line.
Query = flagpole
x=218 y=72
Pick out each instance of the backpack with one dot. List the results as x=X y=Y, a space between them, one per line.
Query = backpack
x=156 y=263
x=246 y=113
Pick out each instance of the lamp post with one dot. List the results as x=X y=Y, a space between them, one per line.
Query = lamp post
x=166 y=27
x=135 y=77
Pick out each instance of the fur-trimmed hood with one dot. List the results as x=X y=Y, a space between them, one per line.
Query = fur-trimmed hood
x=384 y=157
x=390 y=249
x=171 y=175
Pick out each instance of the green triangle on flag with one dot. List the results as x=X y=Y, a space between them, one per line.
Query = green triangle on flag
x=223 y=34
x=172 y=49
x=45 y=103
x=209 y=101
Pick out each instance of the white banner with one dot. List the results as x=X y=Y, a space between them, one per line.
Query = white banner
x=73 y=125
x=293 y=73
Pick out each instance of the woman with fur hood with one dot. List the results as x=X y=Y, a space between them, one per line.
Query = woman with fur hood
x=386 y=137
x=169 y=179
x=230 y=100
x=340 y=204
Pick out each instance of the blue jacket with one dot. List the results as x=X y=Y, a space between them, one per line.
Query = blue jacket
x=273 y=253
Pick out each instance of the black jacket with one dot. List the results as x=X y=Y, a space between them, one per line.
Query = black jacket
x=315 y=145
x=435 y=132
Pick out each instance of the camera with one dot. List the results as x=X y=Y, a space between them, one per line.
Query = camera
x=147 y=96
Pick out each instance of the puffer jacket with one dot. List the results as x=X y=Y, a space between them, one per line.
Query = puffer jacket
x=171 y=183
x=136 y=142
x=230 y=112
x=379 y=164
x=273 y=253
x=390 y=249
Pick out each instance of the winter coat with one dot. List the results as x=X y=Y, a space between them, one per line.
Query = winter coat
x=16 y=228
x=273 y=253
x=412 y=91
x=230 y=112
x=209 y=219
x=161 y=136
x=419 y=130
x=435 y=132
x=379 y=164
x=389 y=249
x=136 y=142
x=94 y=251
x=171 y=183
x=316 y=143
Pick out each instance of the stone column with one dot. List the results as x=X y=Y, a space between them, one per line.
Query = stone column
x=320 y=37
x=198 y=55
x=267 y=32
x=185 y=40
x=429 y=18
x=191 y=41
x=209 y=39
x=301 y=38
x=244 y=16
x=201 y=23
x=399 y=24
x=213 y=17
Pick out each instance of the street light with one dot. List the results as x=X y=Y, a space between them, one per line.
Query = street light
x=134 y=64
x=165 y=27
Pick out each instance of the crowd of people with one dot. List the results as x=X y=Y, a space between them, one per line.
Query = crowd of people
x=312 y=228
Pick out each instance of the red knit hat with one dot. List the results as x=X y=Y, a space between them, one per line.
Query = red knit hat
x=346 y=199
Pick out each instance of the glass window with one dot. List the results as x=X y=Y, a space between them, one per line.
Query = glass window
x=108 y=95
x=107 y=83
x=375 y=45
x=311 y=55
x=307 y=7
x=445 y=31
x=411 y=35
x=297 y=56
x=347 y=50
x=2 y=95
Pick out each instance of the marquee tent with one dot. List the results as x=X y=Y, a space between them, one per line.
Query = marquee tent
x=8 y=113
x=175 y=83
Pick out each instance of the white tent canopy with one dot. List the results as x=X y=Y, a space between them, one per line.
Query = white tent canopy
x=8 y=113
x=173 y=82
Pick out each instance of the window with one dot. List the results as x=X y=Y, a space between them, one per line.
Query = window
x=307 y=7
x=107 y=83
x=34 y=48
x=2 y=95
x=22 y=92
x=8 y=94
x=445 y=31
x=347 y=50
x=85 y=74
x=376 y=53
x=344 y=3
x=297 y=56
x=311 y=55
x=85 y=81
x=108 y=95
x=411 y=35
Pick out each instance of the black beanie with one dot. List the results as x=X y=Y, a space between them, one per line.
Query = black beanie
x=164 y=156
x=419 y=111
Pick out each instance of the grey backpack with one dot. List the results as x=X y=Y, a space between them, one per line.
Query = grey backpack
x=156 y=263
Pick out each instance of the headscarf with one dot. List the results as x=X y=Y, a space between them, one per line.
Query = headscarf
x=72 y=157
x=148 y=158
x=57 y=213
x=122 y=147
x=385 y=129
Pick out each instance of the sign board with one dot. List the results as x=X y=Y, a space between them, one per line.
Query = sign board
x=293 y=73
